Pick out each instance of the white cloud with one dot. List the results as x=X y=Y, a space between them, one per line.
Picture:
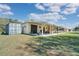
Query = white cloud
x=51 y=7
x=7 y=13
x=77 y=15
x=5 y=9
x=53 y=4
x=53 y=12
x=52 y=16
x=39 y=6
x=70 y=9
x=54 y=7
x=56 y=12
x=73 y=5
x=0 y=10
x=48 y=17
x=34 y=16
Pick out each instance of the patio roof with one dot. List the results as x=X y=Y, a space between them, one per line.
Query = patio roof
x=38 y=22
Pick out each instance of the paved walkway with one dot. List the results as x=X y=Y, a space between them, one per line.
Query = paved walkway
x=49 y=34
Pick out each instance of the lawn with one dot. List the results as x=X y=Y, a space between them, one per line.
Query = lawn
x=64 y=44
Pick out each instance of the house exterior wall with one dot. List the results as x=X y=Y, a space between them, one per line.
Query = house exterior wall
x=26 y=28
x=13 y=29
x=40 y=27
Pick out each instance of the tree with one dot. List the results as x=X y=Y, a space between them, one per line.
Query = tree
x=76 y=28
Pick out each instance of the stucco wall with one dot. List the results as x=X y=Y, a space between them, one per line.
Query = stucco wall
x=26 y=28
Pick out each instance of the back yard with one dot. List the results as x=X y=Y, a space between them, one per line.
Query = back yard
x=64 y=44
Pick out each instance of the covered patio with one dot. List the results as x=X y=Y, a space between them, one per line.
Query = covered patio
x=41 y=29
x=38 y=28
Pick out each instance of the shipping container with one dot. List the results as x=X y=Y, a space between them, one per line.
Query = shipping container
x=13 y=28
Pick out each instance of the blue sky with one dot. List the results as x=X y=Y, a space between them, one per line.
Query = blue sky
x=64 y=14
x=21 y=11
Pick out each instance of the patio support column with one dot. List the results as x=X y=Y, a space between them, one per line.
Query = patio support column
x=50 y=30
x=37 y=28
x=42 y=29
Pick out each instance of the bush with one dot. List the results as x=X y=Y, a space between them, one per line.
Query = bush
x=3 y=33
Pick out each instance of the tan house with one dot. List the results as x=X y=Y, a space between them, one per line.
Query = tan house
x=39 y=28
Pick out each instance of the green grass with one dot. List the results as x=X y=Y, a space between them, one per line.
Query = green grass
x=64 y=44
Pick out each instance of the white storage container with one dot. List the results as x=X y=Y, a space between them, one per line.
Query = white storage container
x=14 y=28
